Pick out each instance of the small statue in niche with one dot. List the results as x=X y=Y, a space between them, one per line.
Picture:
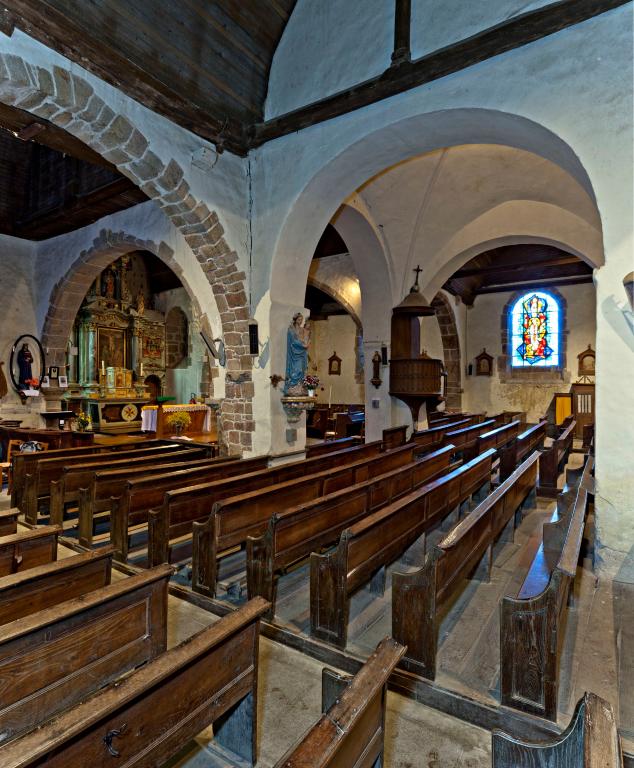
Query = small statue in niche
x=25 y=361
x=108 y=284
x=484 y=364
x=297 y=343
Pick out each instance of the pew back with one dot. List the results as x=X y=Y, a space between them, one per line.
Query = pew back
x=529 y=440
x=52 y=659
x=27 y=549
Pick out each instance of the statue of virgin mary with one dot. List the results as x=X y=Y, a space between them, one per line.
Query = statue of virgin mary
x=297 y=343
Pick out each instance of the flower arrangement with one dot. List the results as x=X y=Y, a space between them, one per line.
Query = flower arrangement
x=310 y=381
x=33 y=383
x=84 y=421
x=179 y=420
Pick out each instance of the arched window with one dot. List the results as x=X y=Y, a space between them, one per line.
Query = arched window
x=535 y=330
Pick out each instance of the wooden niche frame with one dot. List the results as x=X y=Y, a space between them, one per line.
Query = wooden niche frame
x=586 y=365
x=484 y=363
x=334 y=365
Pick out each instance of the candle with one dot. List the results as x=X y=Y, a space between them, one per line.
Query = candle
x=330 y=395
x=103 y=367
x=141 y=369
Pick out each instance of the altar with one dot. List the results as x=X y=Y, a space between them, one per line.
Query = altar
x=153 y=419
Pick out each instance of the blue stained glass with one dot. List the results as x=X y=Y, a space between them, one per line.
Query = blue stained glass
x=535 y=330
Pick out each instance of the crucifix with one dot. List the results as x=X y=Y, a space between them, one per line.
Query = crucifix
x=418 y=270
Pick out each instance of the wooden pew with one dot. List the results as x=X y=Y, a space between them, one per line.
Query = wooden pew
x=150 y=715
x=465 y=438
x=27 y=549
x=394 y=436
x=552 y=460
x=330 y=446
x=9 y=521
x=435 y=416
x=23 y=463
x=107 y=487
x=530 y=623
x=43 y=586
x=236 y=518
x=66 y=489
x=495 y=438
x=349 y=424
x=417 y=597
x=130 y=511
x=591 y=740
x=197 y=500
x=38 y=479
x=514 y=453
x=54 y=658
x=351 y=732
x=430 y=439
x=376 y=540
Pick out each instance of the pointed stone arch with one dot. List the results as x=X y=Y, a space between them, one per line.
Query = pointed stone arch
x=70 y=102
x=451 y=350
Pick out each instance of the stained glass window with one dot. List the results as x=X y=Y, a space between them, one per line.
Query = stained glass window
x=535 y=330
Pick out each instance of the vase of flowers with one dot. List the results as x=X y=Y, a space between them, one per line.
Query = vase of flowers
x=178 y=421
x=84 y=421
x=310 y=384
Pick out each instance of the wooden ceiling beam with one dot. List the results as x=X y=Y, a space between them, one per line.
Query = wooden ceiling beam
x=502 y=267
x=514 y=33
x=535 y=283
x=55 y=30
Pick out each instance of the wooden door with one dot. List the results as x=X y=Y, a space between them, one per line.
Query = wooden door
x=582 y=406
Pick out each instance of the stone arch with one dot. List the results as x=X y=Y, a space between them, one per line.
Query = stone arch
x=70 y=102
x=451 y=350
x=338 y=297
x=339 y=178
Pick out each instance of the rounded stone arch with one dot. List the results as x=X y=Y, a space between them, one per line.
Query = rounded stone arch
x=69 y=292
x=451 y=350
x=69 y=101
x=338 y=179
x=338 y=297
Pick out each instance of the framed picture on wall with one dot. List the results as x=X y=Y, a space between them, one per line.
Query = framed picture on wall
x=111 y=347
x=63 y=381
x=334 y=365
x=484 y=364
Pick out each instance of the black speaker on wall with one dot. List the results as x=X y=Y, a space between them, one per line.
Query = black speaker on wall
x=383 y=355
x=254 y=339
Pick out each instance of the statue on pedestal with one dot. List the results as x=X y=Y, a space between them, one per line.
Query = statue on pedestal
x=25 y=361
x=297 y=343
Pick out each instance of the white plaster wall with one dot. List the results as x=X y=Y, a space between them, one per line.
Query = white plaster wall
x=330 y=46
x=567 y=98
x=17 y=258
x=336 y=334
x=487 y=393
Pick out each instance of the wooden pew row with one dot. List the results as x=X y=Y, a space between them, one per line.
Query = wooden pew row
x=465 y=438
x=394 y=437
x=106 y=488
x=37 y=480
x=418 y=597
x=44 y=586
x=66 y=489
x=321 y=506
x=531 y=623
x=513 y=454
x=552 y=460
x=27 y=549
x=591 y=740
x=9 y=521
x=433 y=438
x=495 y=438
x=351 y=732
x=321 y=449
x=154 y=712
x=54 y=658
x=202 y=496
x=436 y=416
x=234 y=518
x=23 y=463
x=368 y=546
